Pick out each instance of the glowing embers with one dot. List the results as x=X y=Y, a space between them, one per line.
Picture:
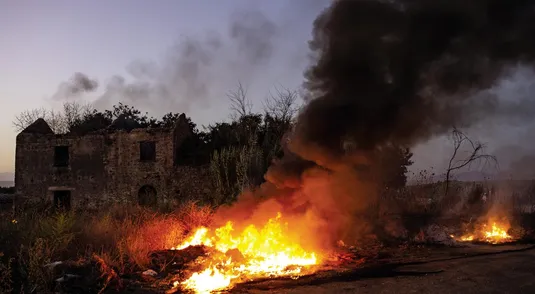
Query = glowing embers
x=250 y=254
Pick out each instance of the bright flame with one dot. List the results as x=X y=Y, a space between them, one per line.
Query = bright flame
x=253 y=253
x=467 y=238
x=495 y=235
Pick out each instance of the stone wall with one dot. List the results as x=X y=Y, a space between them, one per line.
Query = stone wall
x=37 y=178
x=106 y=167
x=127 y=174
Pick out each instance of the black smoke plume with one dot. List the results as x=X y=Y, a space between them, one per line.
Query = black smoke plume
x=403 y=71
x=390 y=72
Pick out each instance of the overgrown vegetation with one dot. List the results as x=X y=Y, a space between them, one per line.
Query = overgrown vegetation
x=116 y=241
x=118 y=238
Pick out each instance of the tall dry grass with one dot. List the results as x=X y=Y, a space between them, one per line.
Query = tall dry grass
x=120 y=236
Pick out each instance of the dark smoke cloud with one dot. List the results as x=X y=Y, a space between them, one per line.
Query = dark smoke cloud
x=78 y=84
x=404 y=71
x=393 y=72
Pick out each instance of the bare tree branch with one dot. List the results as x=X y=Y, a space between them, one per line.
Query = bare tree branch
x=73 y=111
x=475 y=155
x=240 y=105
x=59 y=121
x=282 y=104
x=27 y=117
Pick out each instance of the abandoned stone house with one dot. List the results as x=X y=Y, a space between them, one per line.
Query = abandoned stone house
x=111 y=165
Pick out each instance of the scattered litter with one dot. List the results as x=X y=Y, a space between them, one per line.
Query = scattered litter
x=67 y=277
x=150 y=272
x=437 y=234
x=53 y=264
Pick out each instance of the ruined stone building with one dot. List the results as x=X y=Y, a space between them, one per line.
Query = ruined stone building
x=111 y=165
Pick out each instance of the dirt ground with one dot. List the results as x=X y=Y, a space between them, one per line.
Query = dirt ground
x=499 y=270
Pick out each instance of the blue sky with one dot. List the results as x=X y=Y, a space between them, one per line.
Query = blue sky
x=44 y=42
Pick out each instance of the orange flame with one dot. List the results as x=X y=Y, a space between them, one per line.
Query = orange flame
x=254 y=253
x=497 y=234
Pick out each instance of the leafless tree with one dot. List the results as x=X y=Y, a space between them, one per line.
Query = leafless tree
x=282 y=104
x=59 y=121
x=240 y=104
x=27 y=117
x=475 y=155
x=73 y=111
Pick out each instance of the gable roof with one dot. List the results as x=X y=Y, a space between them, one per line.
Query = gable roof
x=38 y=127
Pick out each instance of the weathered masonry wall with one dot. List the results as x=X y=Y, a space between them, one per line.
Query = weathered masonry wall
x=127 y=173
x=107 y=167
x=37 y=178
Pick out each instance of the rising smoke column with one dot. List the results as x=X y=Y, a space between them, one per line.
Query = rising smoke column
x=390 y=73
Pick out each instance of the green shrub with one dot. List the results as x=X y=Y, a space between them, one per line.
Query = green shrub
x=58 y=230
x=235 y=169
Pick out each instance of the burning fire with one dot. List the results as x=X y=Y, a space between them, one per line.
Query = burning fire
x=494 y=234
x=253 y=253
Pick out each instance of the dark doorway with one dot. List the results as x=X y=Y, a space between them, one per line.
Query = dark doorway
x=147 y=196
x=62 y=199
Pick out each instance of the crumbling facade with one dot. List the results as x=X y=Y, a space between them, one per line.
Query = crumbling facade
x=119 y=165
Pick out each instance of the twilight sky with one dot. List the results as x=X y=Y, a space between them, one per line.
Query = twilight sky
x=44 y=42
x=182 y=56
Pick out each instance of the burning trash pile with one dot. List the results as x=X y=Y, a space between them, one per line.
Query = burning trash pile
x=251 y=254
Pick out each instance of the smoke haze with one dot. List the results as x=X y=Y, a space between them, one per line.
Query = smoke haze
x=198 y=71
x=507 y=133
x=78 y=84
x=392 y=73
x=194 y=70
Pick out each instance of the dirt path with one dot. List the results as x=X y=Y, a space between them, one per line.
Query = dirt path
x=512 y=272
